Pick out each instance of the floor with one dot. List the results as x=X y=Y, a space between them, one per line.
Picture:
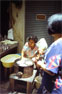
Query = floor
x=4 y=89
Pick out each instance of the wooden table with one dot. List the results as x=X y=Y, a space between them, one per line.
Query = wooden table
x=11 y=50
x=28 y=80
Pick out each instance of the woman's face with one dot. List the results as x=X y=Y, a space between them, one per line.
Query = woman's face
x=56 y=36
x=31 y=43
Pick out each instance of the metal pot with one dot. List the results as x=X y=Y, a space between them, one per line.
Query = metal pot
x=25 y=65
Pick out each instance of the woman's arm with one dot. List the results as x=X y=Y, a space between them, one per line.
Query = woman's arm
x=23 y=54
x=43 y=67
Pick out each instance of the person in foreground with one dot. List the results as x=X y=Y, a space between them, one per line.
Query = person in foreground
x=52 y=78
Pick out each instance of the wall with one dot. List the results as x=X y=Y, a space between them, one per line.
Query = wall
x=18 y=19
x=39 y=27
x=25 y=23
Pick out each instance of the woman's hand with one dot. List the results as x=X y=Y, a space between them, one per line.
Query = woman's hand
x=41 y=64
x=37 y=57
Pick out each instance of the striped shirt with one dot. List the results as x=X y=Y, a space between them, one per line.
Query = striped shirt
x=28 y=51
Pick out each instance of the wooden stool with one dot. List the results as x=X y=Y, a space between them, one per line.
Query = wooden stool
x=29 y=82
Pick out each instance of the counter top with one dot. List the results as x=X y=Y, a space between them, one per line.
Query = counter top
x=7 y=48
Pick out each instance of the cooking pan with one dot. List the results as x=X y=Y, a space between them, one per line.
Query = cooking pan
x=25 y=65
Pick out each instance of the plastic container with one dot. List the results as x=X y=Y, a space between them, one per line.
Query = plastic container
x=8 y=60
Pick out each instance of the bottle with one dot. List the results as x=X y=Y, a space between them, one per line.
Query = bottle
x=5 y=37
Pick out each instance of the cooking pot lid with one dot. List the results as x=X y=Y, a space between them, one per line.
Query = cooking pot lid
x=24 y=62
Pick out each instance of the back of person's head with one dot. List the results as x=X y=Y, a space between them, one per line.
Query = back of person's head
x=55 y=24
x=32 y=37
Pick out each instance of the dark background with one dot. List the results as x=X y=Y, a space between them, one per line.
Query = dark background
x=4 y=17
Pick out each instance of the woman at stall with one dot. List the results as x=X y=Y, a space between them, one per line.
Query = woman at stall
x=52 y=78
x=30 y=49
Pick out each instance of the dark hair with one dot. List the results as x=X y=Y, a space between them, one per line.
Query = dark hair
x=33 y=38
x=55 y=24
